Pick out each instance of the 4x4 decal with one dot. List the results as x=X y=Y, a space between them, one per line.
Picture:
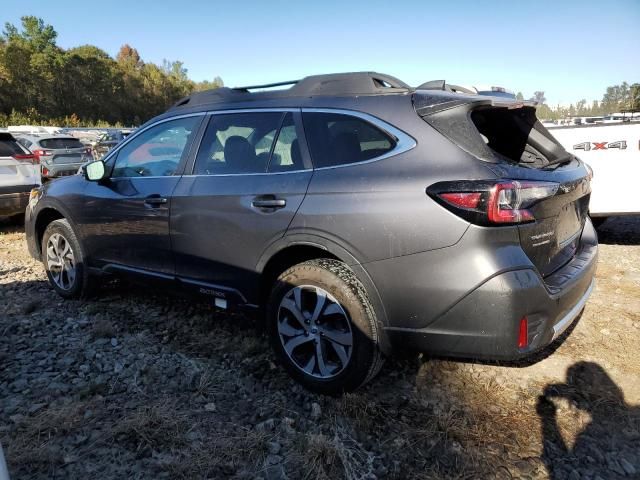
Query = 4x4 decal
x=586 y=146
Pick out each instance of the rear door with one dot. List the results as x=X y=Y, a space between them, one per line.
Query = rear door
x=554 y=238
x=18 y=171
x=515 y=145
x=125 y=222
x=530 y=153
x=249 y=178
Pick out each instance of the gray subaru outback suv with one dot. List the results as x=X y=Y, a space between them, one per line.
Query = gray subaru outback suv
x=356 y=213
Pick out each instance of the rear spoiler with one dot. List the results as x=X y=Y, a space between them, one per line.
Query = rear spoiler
x=446 y=87
x=436 y=100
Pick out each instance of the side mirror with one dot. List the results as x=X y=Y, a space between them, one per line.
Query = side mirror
x=94 y=171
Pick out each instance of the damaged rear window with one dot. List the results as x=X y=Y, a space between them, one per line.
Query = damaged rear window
x=503 y=132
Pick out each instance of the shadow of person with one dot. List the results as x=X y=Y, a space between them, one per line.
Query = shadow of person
x=608 y=446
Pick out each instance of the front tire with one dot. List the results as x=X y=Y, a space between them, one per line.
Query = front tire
x=64 y=261
x=323 y=328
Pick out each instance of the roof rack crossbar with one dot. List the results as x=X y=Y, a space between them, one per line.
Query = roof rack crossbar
x=266 y=85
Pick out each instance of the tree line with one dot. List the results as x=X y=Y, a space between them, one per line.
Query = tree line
x=42 y=83
x=617 y=98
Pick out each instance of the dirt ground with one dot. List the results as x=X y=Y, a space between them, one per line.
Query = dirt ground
x=140 y=385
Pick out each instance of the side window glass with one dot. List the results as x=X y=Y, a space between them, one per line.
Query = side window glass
x=338 y=139
x=237 y=143
x=264 y=144
x=157 y=151
x=286 y=153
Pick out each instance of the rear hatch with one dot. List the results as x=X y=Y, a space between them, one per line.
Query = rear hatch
x=546 y=189
x=64 y=150
x=17 y=165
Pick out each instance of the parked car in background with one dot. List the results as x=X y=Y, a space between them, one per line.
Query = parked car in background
x=612 y=150
x=33 y=130
x=58 y=155
x=19 y=173
x=358 y=213
x=107 y=141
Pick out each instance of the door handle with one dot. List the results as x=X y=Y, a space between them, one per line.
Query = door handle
x=155 y=200
x=269 y=201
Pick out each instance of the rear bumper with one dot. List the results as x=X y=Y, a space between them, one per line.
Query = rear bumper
x=60 y=170
x=14 y=200
x=485 y=322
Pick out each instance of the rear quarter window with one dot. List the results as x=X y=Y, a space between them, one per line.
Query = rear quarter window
x=55 y=143
x=9 y=148
x=340 y=139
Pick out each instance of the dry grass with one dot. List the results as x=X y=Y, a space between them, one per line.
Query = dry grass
x=317 y=456
x=221 y=453
x=157 y=427
x=37 y=439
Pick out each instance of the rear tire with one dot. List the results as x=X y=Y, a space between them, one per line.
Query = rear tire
x=323 y=328
x=64 y=261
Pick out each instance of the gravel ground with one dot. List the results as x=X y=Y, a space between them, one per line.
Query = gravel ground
x=138 y=385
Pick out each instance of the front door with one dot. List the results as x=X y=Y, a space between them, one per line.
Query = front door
x=125 y=223
x=249 y=178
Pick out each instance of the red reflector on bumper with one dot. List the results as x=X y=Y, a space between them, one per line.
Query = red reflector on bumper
x=523 y=336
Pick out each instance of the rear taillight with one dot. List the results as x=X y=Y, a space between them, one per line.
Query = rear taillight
x=484 y=202
x=25 y=158
x=463 y=199
x=41 y=153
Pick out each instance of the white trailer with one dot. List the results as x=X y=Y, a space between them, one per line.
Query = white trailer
x=612 y=150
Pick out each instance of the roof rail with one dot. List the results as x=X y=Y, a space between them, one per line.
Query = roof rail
x=336 y=84
x=268 y=85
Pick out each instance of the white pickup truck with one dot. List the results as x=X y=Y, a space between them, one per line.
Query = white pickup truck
x=612 y=150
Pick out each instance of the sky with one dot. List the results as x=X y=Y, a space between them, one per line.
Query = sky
x=568 y=49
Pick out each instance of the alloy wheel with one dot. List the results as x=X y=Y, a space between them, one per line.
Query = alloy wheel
x=61 y=261
x=315 y=331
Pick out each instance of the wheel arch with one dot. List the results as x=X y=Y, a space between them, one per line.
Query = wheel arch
x=291 y=251
x=48 y=210
x=44 y=218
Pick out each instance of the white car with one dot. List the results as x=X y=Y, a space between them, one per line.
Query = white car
x=19 y=173
x=612 y=150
